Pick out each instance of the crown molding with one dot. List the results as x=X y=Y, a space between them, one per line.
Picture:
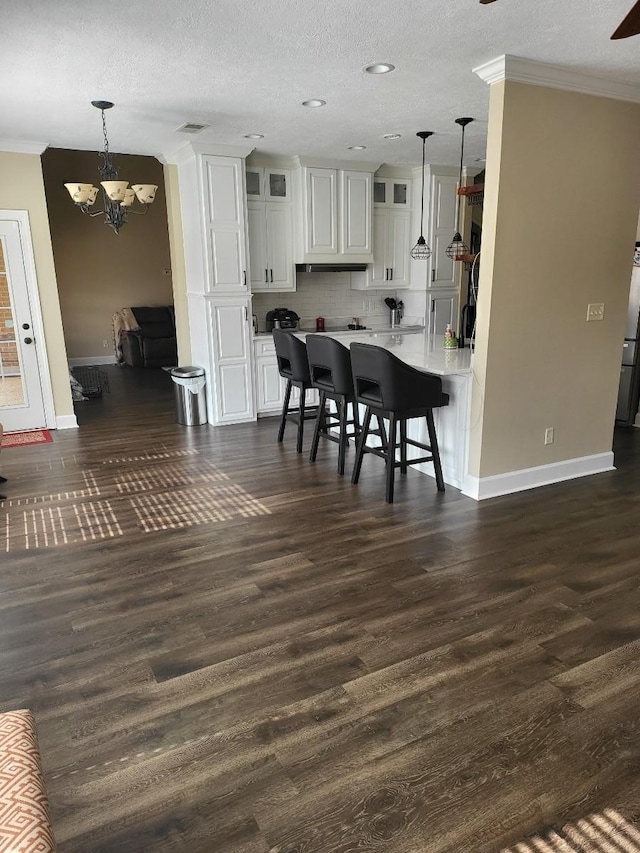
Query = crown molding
x=22 y=146
x=186 y=152
x=519 y=70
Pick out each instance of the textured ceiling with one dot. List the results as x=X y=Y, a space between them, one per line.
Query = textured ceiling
x=244 y=66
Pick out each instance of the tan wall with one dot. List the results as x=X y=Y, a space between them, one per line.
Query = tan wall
x=100 y=271
x=22 y=188
x=176 y=244
x=560 y=216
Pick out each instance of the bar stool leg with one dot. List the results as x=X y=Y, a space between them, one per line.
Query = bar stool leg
x=362 y=439
x=433 y=443
x=356 y=420
x=318 y=427
x=285 y=409
x=382 y=430
x=403 y=446
x=342 y=442
x=303 y=400
x=391 y=457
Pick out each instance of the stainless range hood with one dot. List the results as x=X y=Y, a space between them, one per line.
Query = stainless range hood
x=331 y=267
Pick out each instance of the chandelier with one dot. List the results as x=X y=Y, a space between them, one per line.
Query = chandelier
x=118 y=196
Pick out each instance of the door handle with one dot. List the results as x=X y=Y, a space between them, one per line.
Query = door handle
x=28 y=340
x=271 y=271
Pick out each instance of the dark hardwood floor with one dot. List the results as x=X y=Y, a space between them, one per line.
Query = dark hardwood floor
x=229 y=649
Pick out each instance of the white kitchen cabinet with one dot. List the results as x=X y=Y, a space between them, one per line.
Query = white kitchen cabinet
x=271 y=246
x=231 y=360
x=355 y=231
x=442 y=227
x=268 y=184
x=392 y=192
x=391 y=238
x=442 y=308
x=334 y=209
x=224 y=220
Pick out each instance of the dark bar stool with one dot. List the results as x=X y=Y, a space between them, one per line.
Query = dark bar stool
x=293 y=366
x=330 y=368
x=391 y=389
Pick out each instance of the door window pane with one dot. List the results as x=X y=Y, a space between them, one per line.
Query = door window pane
x=11 y=383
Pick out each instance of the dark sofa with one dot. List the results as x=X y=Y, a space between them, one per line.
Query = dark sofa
x=153 y=344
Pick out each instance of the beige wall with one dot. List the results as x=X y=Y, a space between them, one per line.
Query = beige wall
x=22 y=188
x=176 y=245
x=560 y=215
x=100 y=271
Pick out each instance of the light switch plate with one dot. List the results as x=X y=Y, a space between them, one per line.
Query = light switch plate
x=595 y=311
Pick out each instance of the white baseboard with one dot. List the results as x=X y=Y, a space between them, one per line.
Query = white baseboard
x=66 y=422
x=88 y=360
x=481 y=488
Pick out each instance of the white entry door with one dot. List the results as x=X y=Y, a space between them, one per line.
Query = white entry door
x=21 y=394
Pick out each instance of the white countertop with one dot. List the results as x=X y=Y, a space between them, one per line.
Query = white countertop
x=417 y=348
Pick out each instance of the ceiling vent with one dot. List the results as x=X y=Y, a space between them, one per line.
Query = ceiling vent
x=189 y=127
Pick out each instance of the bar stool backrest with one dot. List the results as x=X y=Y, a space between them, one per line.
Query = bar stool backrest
x=377 y=373
x=330 y=362
x=291 y=354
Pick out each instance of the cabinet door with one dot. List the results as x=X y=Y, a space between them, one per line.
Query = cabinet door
x=443 y=226
x=224 y=213
x=254 y=179
x=277 y=185
x=280 y=247
x=356 y=213
x=378 y=274
x=232 y=357
x=398 y=248
x=442 y=308
x=271 y=386
x=322 y=208
x=258 y=260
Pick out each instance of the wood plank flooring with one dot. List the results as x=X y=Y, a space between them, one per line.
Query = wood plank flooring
x=228 y=649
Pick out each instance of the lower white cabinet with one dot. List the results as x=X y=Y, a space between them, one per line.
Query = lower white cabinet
x=270 y=386
x=231 y=363
x=442 y=308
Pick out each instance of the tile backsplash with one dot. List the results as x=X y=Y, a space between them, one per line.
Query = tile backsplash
x=327 y=295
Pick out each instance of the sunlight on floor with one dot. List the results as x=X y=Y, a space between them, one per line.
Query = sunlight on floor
x=608 y=832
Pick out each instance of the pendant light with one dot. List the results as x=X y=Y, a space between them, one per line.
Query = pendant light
x=457 y=247
x=421 y=252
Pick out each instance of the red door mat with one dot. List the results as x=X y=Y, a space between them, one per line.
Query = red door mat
x=20 y=439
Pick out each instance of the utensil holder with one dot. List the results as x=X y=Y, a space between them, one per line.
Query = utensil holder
x=396 y=316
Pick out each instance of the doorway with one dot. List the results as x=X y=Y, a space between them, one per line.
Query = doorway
x=25 y=389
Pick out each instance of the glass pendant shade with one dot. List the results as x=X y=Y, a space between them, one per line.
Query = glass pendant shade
x=421 y=251
x=80 y=193
x=145 y=193
x=115 y=189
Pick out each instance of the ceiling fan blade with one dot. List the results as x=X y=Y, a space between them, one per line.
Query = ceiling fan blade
x=631 y=24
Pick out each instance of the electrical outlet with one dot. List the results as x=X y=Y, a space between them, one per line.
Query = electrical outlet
x=105 y=343
x=548 y=435
x=595 y=311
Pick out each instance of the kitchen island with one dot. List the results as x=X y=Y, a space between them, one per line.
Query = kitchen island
x=426 y=352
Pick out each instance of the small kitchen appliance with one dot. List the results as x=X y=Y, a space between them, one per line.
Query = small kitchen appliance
x=281 y=318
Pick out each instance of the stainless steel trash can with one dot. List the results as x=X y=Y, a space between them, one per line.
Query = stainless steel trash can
x=191 y=400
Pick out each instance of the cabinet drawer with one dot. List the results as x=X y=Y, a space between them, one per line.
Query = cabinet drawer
x=264 y=346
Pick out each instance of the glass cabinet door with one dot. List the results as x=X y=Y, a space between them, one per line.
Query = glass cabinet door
x=277 y=185
x=379 y=192
x=391 y=192
x=400 y=193
x=255 y=178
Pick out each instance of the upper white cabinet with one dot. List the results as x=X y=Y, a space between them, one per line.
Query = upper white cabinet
x=268 y=184
x=442 y=226
x=224 y=221
x=335 y=212
x=271 y=246
x=392 y=192
x=391 y=238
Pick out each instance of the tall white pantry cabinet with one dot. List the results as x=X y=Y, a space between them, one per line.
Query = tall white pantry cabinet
x=214 y=219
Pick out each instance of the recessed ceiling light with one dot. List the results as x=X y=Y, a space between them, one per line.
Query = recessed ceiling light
x=357 y=147
x=254 y=136
x=314 y=102
x=380 y=68
x=392 y=136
